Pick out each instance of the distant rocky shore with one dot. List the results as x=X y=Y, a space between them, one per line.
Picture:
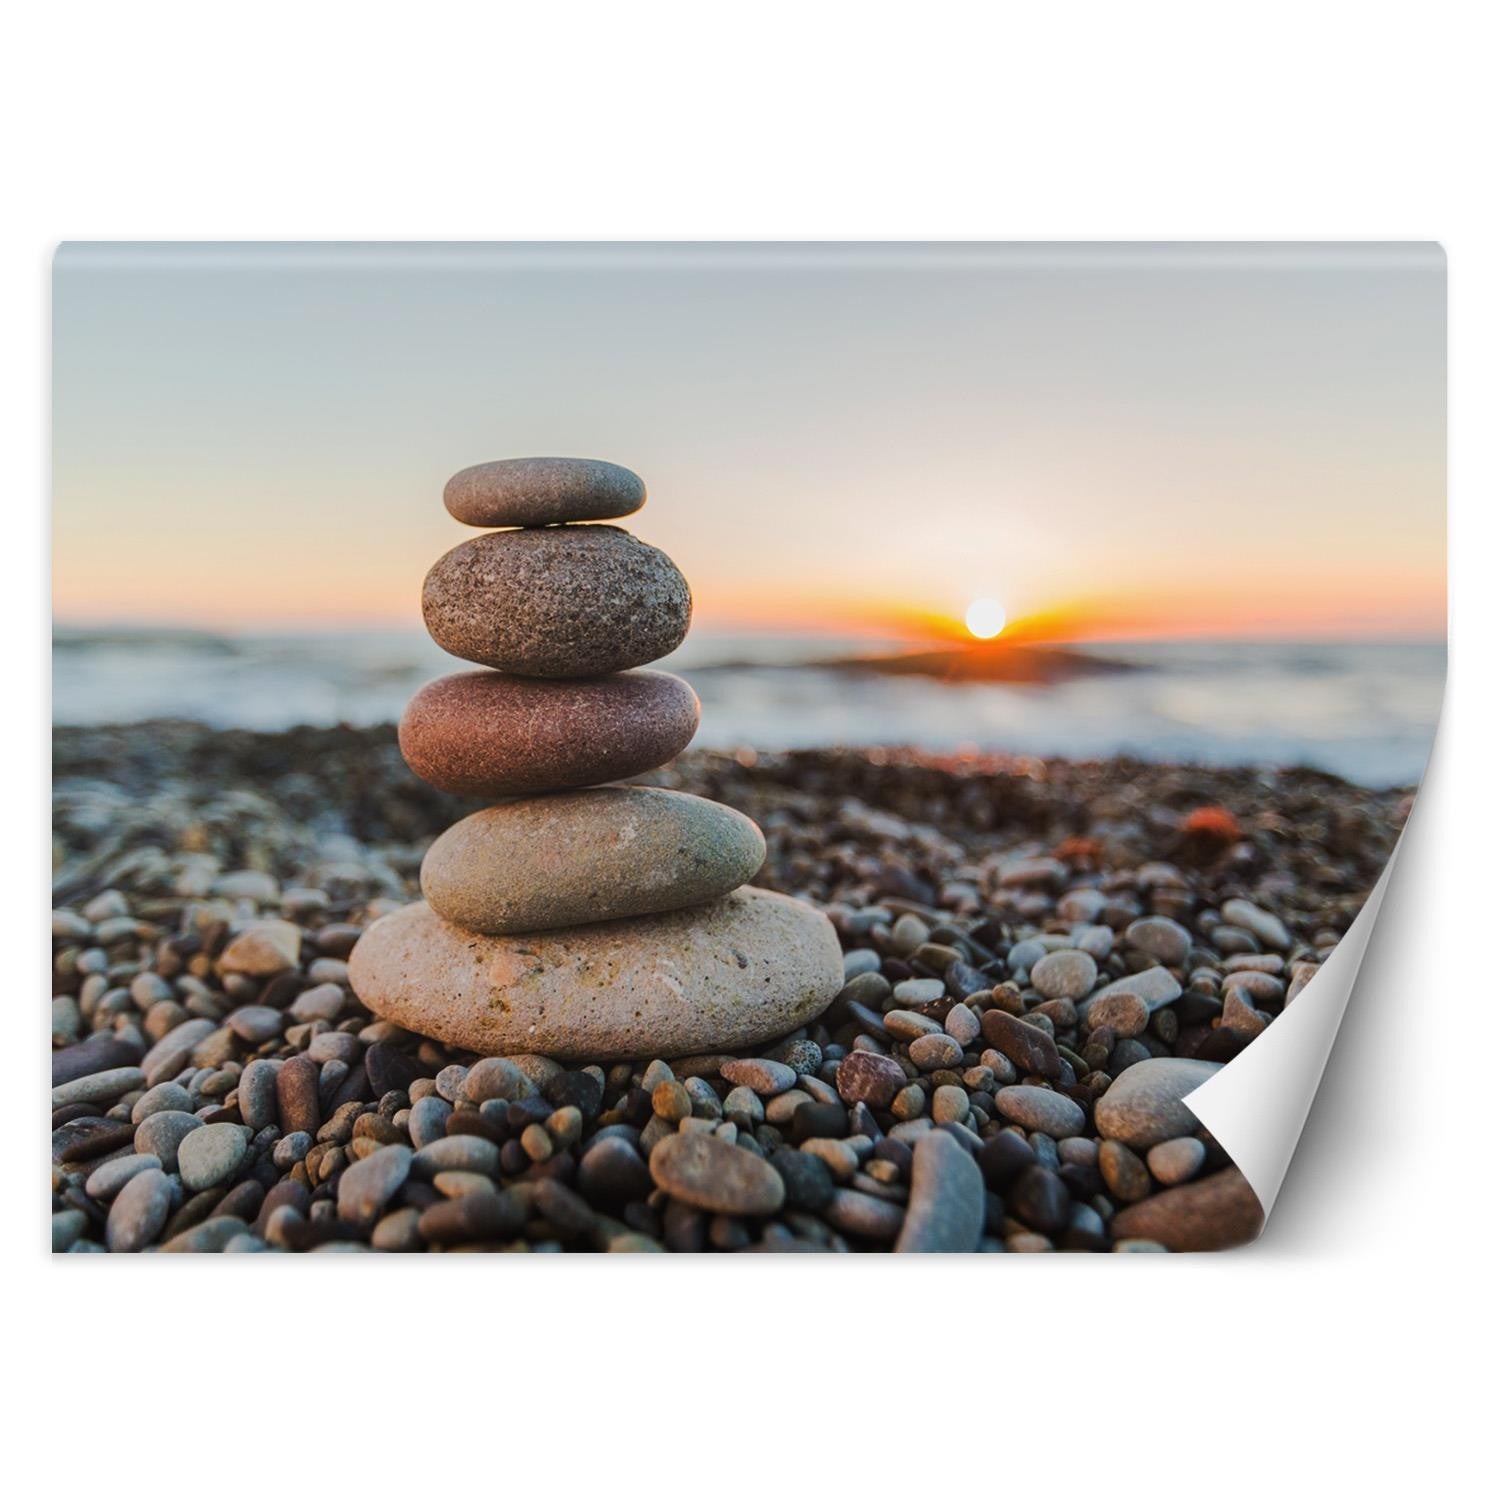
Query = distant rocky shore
x=1041 y=958
x=972 y=661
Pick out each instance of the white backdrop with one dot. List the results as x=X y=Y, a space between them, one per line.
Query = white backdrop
x=1350 y=1341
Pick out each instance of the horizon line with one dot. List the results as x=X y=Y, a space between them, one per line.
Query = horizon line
x=323 y=627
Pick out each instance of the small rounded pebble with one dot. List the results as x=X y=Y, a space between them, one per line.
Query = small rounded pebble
x=107 y=1180
x=161 y=1135
x=1067 y=974
x=209 y=1156
x=869 y=1078
x=708 y=1174
x=1122 y=1013
x=935 y=1051
x=1177 y=1160
x=759 y=1074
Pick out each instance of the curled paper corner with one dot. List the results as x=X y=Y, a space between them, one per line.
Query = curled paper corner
x=1256 y=1106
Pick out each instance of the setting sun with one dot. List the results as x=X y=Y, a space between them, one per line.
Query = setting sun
x=985 y=619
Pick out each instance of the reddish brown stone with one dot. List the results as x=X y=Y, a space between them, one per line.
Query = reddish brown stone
x=297 y=1096
x=869 y=1078
x=1029 y=1047
x=1219 y=1212
x=486 y=734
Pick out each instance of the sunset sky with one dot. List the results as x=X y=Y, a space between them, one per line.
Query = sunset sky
x=1127 y=441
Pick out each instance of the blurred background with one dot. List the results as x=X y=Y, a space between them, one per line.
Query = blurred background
x=1182 y=502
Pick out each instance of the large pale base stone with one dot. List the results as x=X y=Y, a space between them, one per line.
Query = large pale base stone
x=741 y=970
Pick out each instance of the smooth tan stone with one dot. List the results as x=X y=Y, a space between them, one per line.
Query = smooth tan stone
x=591 y=856
x=750 y=966
x=487 y=734
x=262 y=949
x=542 y=492
x=565 y=601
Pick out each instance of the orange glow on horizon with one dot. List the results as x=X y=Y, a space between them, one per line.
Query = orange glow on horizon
x=1304 y=598
x=1405 y=608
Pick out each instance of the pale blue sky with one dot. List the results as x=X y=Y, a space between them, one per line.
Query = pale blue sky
x=1232 y=440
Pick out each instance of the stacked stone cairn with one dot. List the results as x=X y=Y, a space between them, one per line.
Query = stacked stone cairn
x=581 y=921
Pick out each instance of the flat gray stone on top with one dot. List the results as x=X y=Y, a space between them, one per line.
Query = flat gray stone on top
x=542 y=492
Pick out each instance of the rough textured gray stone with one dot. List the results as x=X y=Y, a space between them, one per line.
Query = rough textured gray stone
x=567 y=601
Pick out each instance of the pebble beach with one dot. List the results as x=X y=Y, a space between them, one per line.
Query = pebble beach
x=1040 y=959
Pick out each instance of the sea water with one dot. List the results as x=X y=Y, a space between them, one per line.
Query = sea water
x=1364 y=711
